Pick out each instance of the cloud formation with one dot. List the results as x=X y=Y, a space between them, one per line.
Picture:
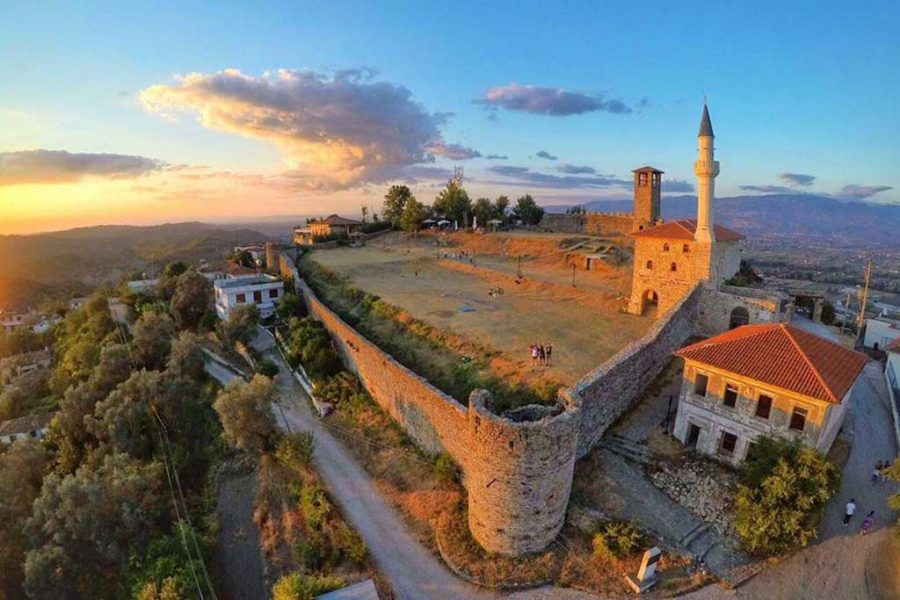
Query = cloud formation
x=860 y=192
x=797 y=179
x=453 y=151
x=528 y=178
x=551 y=101
x=496 y=157
x=546 y=155
x=337 y=131
x=576 y=169
x=60 y=166
x=768 y=189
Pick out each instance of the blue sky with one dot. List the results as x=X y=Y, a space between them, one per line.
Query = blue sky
x=806 y=89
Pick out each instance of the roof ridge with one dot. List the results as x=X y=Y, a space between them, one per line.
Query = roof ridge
x=789 y=332
x=744 y=331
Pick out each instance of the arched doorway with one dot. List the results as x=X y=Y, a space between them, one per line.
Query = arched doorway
x=650 y=300
x=739 y=316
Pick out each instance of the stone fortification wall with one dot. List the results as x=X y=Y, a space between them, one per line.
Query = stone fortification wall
x=762 y=306
x=517 y=471
x=519 y=475
x=605 y=393
x=590 y=223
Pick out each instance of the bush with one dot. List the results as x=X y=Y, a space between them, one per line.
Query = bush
x=444 y=468
x=353 y=546
x=304 y=587
x=267 y=367
x=310 y=551
x=784 y=486
x=618 y=539
x=295 y=450
x=314 y=505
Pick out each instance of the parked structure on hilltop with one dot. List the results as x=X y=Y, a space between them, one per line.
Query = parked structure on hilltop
x=32 y=427
x=319 y=228
x=771 y=379
x=262 y=290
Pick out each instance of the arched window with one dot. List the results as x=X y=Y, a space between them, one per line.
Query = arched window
x=649 y=264
x=685 y=249
x=665 y=247
x=673 y=267
x=739 y=316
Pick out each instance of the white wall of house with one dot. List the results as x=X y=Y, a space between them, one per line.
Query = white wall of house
x=263 y=291
x=881 y=332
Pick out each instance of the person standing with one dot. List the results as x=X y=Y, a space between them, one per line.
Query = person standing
x=542 y=354
x=849 y=510
x=868 y=523
x=534 y=354
x=549 y=354
x=876 y=473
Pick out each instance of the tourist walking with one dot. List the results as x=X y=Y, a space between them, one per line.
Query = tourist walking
x=868 y=523
x=542 y=353
x=549 y=354
x=849 y=510
x=876 y=473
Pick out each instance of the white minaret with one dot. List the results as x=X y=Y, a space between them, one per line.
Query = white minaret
x=706 y=169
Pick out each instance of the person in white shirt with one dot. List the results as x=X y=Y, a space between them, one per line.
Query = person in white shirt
x=849 y=510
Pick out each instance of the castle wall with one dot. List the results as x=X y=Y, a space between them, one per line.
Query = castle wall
x=715 y=311
x=518 y=473
x=563 y=223
x=614 y=387
x=590 y=223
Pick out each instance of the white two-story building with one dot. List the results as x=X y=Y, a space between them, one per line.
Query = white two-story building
x=262 y=290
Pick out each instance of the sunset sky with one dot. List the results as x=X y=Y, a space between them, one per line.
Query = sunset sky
x=140 y=113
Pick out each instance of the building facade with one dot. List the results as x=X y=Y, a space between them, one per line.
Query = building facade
x=263 y=291
x=763 y=380
x=320 y=228
x=880 y=332
x=32 y=427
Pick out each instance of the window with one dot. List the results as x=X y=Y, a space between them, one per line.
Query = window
x=700 y=383
x=729 y=441
x=257 y=296
x=240 y=298
x=763 y=406
x=798 y=418
x=685 y=249
x=665 y=247
x=649 y=264
x=673 y=267
x=273 y=293
x=731 y=395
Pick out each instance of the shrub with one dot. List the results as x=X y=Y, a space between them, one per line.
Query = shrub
x=314 y=505
x=785 y=484
x=295 y=450
x=353 y=546
x=304 y=587
x=618 y=539
x=267 y=367
x=310 y=551
x=444 y=468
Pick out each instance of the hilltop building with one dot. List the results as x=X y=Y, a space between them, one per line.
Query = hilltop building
x=880 y=332
x=265 y=291
x=32 y=427
x=332 y=224
x=770 y=379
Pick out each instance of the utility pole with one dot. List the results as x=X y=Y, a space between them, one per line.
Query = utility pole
x=573 y=274
x=861 y=319
x=846 y=311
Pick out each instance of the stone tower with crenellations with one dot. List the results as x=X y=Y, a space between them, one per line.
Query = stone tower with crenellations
x=647 y=186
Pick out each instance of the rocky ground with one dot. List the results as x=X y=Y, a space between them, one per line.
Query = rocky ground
x=704 y=488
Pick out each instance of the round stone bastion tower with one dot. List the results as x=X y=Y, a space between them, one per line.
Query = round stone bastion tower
x=518 y=474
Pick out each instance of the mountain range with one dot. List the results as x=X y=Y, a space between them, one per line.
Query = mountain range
x=850 y=224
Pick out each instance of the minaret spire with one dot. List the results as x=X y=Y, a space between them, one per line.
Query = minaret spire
x=706 y=168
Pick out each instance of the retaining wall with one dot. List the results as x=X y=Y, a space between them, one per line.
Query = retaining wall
x=611 y=389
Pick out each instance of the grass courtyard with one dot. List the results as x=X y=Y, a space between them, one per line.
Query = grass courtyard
x=467 y=289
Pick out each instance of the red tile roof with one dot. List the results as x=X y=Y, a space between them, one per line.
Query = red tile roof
x=685 y=229
x=338 y=220
x=784 y=356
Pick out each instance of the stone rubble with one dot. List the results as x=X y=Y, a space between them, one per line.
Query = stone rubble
x=707 y=490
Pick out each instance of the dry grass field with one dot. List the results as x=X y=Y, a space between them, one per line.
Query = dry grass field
x=468 y=286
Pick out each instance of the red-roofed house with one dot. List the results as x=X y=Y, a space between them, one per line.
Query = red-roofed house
x=768 y=379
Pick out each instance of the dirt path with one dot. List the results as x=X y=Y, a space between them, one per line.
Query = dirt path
x=238 y=540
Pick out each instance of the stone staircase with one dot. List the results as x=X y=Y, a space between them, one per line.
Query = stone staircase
x=699 y=540
x=628 y=449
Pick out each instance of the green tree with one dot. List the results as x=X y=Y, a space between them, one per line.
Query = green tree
x=413 y=215
x=296 y=450
x=828 y=313
x=310 y=345
x=191 y=299
x=174 y=269
x=290 y=306
x=240 y=326
x=187 y=359
x=245 y=409
x=501 y=205
x=394 y=202
x=124 y=420
x=85 y=525
x=152 y=342
x=484 y=211
x=528 y=211
x=453 y=203
x=21 y=473
x=304 y=587
x=783 y=485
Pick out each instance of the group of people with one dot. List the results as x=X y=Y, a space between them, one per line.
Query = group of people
x=541 y=354
x=878 y=473
x=868 y=522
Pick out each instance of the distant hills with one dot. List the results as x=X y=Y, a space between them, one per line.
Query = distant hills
x=850 y=224
x=77 y=260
